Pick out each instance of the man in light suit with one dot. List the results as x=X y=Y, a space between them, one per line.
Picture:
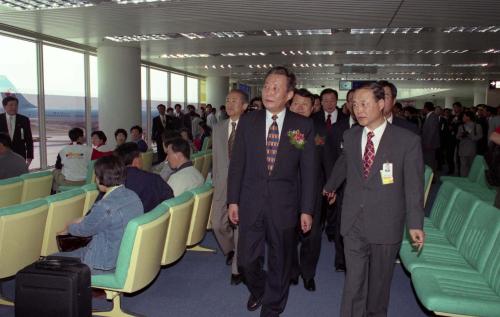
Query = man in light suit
x=430 y=135
x=271 y=180
x=383 y=168
x=223 y=137
x=18 y=127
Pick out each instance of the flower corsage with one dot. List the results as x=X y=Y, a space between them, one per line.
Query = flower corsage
x=297 y=139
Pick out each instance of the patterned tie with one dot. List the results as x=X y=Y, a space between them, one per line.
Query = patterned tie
x=369 y=155
x=272 y=144
x=329 y=121
x=230 y=141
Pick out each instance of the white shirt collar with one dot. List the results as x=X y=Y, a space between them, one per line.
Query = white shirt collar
x=352 y=121
x=428 y=114
x=379 y=132
x=279 y=120
x=390 y=118
x=334 y=114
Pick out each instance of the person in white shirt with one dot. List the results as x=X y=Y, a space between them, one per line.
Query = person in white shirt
x=72 y=161
x=185 y=176
x=211 y=119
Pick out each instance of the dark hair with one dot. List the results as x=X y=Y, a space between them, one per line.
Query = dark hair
x=471 y=115
x=74 y=134
x=8 y=99
x=304 y=93
x=169 y=135
x=491 y=110
x=161 y=105
x=170 y=109
x=316 y=96
x=328 y=91
x=222 y=107
x=429 y=106
x=5 y=140
x=206 y=128
x=398 y=105
x=177 y=105
x=291 y=80
x=179 y=145
x=376 y=88
x=122 y=131
x=349 y=92
x=110 y=171
x=100 y=135
x=136 y=127
x=457 y=104
x=244 y=96
x=385 y=83
x=127 y=152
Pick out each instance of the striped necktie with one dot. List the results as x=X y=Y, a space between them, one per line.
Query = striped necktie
x=232 y=136
x=272 y=144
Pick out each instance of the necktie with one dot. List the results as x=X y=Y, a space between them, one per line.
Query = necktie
x=230 y=141
x=369 y=155
x=272 y=144
x=11 y=127
x=329 y=121
x=163 y=121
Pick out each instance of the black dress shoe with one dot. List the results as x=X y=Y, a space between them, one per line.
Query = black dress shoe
x=229 y=258
x=309 y=284
x=253 y=303
x=236 y=279
x=331 y=237
x=340 y=268
x=294 y=280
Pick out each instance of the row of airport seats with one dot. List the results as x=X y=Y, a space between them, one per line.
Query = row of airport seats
x=202 y=161
x=25 y=188
x=475 y=182
x=457 y=272
x=154 y=239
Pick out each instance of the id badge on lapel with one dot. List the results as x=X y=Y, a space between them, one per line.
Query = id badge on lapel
x=386 y=174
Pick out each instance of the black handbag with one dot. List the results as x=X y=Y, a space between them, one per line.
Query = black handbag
x=67 y=242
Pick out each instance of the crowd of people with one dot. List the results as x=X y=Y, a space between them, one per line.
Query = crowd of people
x=286 y=167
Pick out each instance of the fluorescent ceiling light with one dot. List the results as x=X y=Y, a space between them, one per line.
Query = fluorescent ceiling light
x=45 y=4
x=471 y=29
x=398 y=30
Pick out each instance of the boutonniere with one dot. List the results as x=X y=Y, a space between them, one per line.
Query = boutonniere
x=319 y=140
x=297 y=139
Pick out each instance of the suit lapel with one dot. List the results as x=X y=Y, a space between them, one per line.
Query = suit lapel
x=382 y=151
x=224 y=139
x=357 y=151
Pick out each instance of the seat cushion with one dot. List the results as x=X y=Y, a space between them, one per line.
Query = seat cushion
x=433 y=256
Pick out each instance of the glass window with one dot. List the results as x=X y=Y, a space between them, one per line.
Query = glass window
x=159 y=90
x=94 y=93
x=192 y=91
x=144 y=97
x=64 y=96
x=177 y=87
x=18 y=76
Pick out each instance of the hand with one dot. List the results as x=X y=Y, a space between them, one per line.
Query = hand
x=417 y=238
x=28 y=162
x=232 y=211
x=305 y=222
x=330 y=196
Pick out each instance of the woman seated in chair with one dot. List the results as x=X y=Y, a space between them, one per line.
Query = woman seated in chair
x=107 y=220
x=99 y=146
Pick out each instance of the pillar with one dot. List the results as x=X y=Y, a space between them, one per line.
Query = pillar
x=119 y=77
x=480 y=96
x=448 y=101
x=217 y=88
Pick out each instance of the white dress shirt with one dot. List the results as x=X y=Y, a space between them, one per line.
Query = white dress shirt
x=389 y=119
x=279 y=121
x=376 y=138
x=11 y=124
x=230 y=127
x=352 y=121
x=334 y=116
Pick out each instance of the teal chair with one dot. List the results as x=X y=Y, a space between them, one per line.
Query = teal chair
x=21 y=234
x=138 y=260
x=11 y=190
x=36 y=185
x=89 y=180
x=207 y=144
x=428 y=176
x=476 y=173
x=91 y=193
x=200 y=217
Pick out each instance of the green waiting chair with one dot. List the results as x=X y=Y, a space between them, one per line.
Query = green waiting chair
x=207 y=144
x=21 y=233
x=91 y=193
x=138 y=260
x=36 y=185
x=63 y=208
x=428 y=176
x=10 y=191
x=476 y=173
x=147 y=160
x=207 y=164
x=198 y=158
x=199 y=219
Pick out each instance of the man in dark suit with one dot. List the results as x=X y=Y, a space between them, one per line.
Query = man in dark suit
x=160 y=124
x=430 y=135
x=391 y=93
x=383 y=168
x=271 y=180
x=18 y=127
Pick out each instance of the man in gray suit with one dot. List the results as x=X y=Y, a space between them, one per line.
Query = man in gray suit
x=223 y=137
x=430 y=135
x=384 y=173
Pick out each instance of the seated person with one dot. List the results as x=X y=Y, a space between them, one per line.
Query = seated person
x=11 y=163
x=185 y=136
x=72 y=161
x=206 y=131
x=150 y=188
x=163 y=169
x=99 y=146
x=185 y=177
x=136 y=136
x=108 y=218
x=120 y=136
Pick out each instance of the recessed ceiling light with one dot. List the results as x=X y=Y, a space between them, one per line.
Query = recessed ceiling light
x=45 y=4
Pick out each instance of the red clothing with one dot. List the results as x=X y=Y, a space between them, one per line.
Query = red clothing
x=99 y=152
x=497 y=130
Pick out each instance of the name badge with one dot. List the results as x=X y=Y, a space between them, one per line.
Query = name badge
x=386 y=174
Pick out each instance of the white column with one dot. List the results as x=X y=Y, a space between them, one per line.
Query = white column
x=217 y=89
x=119 y=76
x=480 y=95
x=448 y=101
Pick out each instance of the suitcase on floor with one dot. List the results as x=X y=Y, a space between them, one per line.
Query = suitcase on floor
x=55 y=287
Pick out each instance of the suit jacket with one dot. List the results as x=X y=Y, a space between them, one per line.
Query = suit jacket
x=171 y=123
x=22 y=142
x=319 y=118
x=220 y=163
x=334 y=141
x=383 y=208
x=151 y=188
x=430 y=133
x=289 y=189
x=403 y=123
